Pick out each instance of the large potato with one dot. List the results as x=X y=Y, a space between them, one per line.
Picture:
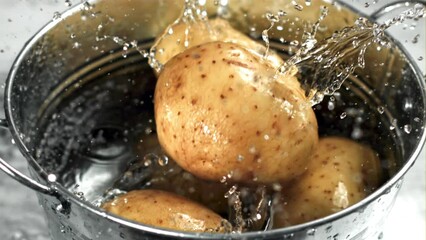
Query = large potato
x=220 y=112
x=341 y=173
x=181 y=36
x=165 y=210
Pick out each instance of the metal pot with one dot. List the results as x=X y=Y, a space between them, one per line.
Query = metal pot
x=66 y=83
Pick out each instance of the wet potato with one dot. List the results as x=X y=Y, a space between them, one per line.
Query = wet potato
x=340 y=174
x=220 y=112
x=165 y=210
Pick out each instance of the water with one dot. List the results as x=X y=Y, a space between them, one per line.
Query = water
x=100 y=141
x=329 y=63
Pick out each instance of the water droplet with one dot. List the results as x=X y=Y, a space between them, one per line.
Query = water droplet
x=277 y=187
x=76 y=45
x=416 y=119
x=294 y=43
x=56 y=15
x=408 y=128
x=231 y=191
x=289 y=236
x=148 y=159
x=380 y=236
x=148 y=130
x=308 y=2
x=68 y=3
x=240 y=158
x=420 y=58
x=311 y=232
x=272 y=18
x=252 y=150
x=297 y=6
x=13 y=141
x=330 y=106
x=343 y=115
x=223 y=179
x=381 y=109
x=266 y=137
x=415 y=39
x=163 y=160
x=51 y=177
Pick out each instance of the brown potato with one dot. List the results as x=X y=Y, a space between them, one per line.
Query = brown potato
x=220 y=112
x=341 y=173
x=165 y=210
x=199 y=32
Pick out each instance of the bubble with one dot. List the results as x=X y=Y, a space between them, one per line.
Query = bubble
x=381 y=109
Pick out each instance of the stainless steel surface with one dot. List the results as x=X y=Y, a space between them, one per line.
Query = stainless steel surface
x=21 y=217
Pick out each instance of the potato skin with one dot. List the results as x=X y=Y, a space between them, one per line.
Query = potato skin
x=220 y=112
x=165 y=210
x=200 y=32
x=342 y=172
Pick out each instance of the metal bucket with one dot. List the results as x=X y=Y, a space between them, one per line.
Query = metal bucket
x=66 y=83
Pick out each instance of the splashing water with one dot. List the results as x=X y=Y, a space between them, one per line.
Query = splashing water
x=328 y=64
x=193 y=12
x=265 y=36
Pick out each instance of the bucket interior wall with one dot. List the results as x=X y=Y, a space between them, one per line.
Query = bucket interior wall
x=70 y=85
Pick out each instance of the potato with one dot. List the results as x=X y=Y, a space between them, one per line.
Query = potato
x=165 y=210
x=341 y=173
x=199 y=32
x=221 y=113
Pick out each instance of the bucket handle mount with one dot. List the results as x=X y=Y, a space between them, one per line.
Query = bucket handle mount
x=20 y=177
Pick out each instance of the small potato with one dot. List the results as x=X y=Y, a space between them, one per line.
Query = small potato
x=165 y=210
x=340 y=174
x=221 y=113
x=199 y=32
